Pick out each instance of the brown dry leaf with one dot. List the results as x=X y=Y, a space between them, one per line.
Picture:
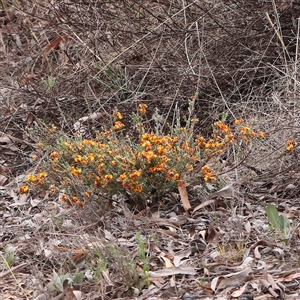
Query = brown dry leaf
x=197 y=245
x=184 y=198
x=7 y=146
x=77 y=295
x=169 y=232
x=215 y=283
x=240 y=291
x=22 y=200
x=248 y=261
x=168 y=262
x=105 y=275
x=3 y=180
x=70 y=294
x=204 y=204
x=212 y=234
x=173 y=271
x=13 y=270
x=276 y=290
x=174 y=222
x=225 y=192
x=230 y=280
x=180 y=255
x=206 y=290
x=5 y=140
x=291 y=276
x=53 y=44
x=27 y=79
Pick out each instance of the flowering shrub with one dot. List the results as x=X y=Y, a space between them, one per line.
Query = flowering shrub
x=113 y=164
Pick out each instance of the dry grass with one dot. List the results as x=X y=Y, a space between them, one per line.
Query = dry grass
x=64 y=60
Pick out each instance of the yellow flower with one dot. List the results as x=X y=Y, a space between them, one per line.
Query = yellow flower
x=229 y=137
x=238 y=122
x=208 y=174
x=118 y=125
x=54 y=155
x=118 y=115
x=156 y=169
x=176 y=176
x=137 y=189
x=68 y=146
x=200 y=141
x=223 y=127
x=64 y=198
x=78 y=158
x=108 y=177
x=122 y=177
x=209 y=144
x=89 y=143
x=31 y=178
x=147 y=145
x=74 y=199
x=290 y=145
x=76 y=172
x=43 y=175
x=91 y=157
x=206 y=169
x=113 y=163
x=245 y=130
x=209 y=178
x=142 y=108
x=23 y=189
x=135 y=174
x=34 y=157
x=149 y=155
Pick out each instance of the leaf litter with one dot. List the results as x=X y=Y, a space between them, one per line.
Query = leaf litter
x=217 y=247
x=241 y=261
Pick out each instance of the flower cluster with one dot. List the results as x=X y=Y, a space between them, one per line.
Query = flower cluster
x=290 y=144
x=208 y=174
x=112 y=164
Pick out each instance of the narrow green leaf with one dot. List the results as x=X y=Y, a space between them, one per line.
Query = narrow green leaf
x=273 y=216
x=78 y=277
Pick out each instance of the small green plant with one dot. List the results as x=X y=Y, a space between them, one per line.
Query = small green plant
x=232 y=252
x=9 y=259
x=9 y=256
x=279 y=222
x=58 y=221
x=145 y=167
x=142 y=255
x=113 y=78
x=116 y=260
x=60 y=282
x=100 y=265
x=50 y=83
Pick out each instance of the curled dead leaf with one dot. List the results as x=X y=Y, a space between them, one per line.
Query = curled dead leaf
x=184 y=198
x=173 y=271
